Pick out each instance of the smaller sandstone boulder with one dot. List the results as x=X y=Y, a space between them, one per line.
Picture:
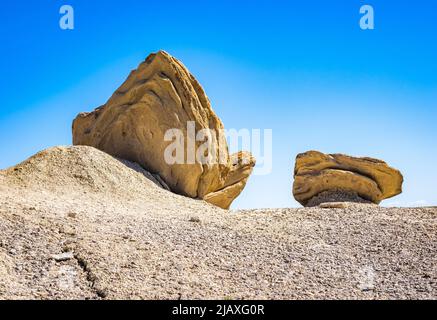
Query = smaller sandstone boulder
x=320 y=177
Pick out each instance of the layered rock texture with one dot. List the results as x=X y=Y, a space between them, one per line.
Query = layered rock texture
x=162 y=95
x=323 y=177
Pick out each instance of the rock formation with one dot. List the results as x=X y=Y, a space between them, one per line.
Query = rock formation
x=336 y=177
x=159 y=96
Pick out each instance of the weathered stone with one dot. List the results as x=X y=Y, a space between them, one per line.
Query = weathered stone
x=370 y=179
x=242 y=164
x=159 y=96
x=63 y=256
x=333 y=205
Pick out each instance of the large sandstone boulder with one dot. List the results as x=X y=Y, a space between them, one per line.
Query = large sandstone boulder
x=343 y=178
x=162 y=95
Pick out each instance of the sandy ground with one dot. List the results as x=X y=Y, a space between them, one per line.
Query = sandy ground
x=76 y=223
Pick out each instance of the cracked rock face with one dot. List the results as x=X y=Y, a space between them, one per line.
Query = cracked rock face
x=161 y=94
x=334 y=175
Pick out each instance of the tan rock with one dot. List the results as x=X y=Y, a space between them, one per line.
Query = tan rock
x=371 y=179
x=161 y=94
x=334 y=205
x=242 y=164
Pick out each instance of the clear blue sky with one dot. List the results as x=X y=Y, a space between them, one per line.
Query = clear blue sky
x=302 y=68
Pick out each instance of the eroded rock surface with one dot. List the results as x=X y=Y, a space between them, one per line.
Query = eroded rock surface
x=338 y=175
x=159 y=96
x=242 y=164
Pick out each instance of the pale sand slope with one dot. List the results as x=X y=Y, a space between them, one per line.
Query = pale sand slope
x=130 y=238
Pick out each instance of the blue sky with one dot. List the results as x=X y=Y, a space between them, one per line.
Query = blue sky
x=304 y=69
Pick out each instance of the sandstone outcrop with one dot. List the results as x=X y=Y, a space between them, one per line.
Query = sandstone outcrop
x=324 y=177
x=162 y=95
